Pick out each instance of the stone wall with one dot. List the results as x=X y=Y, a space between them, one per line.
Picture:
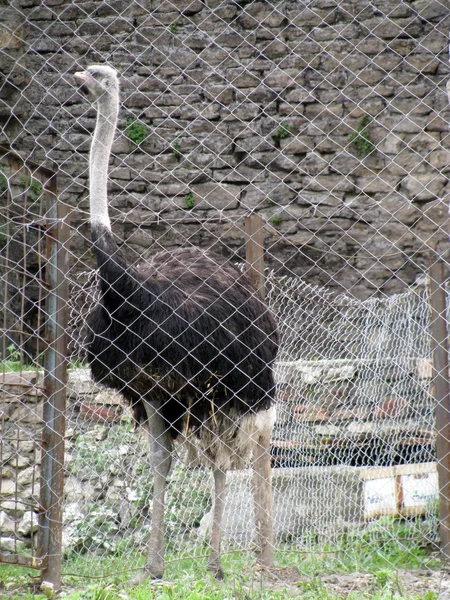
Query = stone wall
x=214 y=81
x=21 y=414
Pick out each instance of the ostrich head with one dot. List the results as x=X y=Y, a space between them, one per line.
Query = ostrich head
x=98 y=80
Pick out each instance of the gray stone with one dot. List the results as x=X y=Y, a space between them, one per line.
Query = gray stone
x=15 y=510
x=28 y=413
x=28 y=524
x=115 y=493
x=76 y=490
x=11 y=544
x=20 y=461
x=80 y=383
x=8 y=487
x=27 y=476
x=7 y=525
x=423 y=186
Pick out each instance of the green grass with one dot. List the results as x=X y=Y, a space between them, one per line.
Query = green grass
x=364 y=563
x=15 y=583
x=97 y=577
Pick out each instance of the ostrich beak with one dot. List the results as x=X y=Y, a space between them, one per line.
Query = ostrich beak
x=81 y=77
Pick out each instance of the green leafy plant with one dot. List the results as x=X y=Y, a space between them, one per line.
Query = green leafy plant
x=77 y=364
x=176 y=150
x=136 y=131
x=384 y=579
x=92 y=458
x=32 y=186
x=96 y=527
x=189 y=201
x=13 y=361
x=35 y=189
x=282 y=132
x=173 y=28
x=14 y=352
x=360 y=139
x=17 y=360
x=276 y=220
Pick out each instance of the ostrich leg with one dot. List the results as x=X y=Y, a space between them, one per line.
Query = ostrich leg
x=214 y=564
x=160 y=447
x=262 y=499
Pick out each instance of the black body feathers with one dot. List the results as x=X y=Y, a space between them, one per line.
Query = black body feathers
x=186 y=329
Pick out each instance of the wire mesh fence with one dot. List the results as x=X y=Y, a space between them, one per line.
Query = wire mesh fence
x=329 y=122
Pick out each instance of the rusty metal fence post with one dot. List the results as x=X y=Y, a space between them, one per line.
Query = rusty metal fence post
x=442 y=395
x=52 y=468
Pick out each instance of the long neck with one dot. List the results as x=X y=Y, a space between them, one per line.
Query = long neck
x=107 y=111
x=115 y=274
x=121 y=289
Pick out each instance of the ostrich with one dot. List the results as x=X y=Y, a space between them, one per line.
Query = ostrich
x=189 y=344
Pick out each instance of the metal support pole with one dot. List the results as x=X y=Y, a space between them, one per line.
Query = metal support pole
x=55 y=364
x=442 y=395
x=254 y=251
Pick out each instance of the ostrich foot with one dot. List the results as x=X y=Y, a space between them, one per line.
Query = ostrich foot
x=215 y=568
x=146 y=574
x=265 y=557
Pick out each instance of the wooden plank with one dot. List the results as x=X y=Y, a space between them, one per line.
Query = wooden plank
x=254 y=251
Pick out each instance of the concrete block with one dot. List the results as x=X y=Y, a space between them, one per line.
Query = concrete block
x=305 y=500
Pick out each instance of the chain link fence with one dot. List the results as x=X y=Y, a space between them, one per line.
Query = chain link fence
x=328 y=120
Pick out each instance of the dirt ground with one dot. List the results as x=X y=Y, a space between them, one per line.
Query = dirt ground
x=404 y=583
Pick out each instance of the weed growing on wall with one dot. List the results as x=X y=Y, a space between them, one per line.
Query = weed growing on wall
x=136 y=131
x=176 y=150
x=35 y=189
x=276 y=220
x=189 y=201
x=281 y=133
x=360 y=139
x=32 y=186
